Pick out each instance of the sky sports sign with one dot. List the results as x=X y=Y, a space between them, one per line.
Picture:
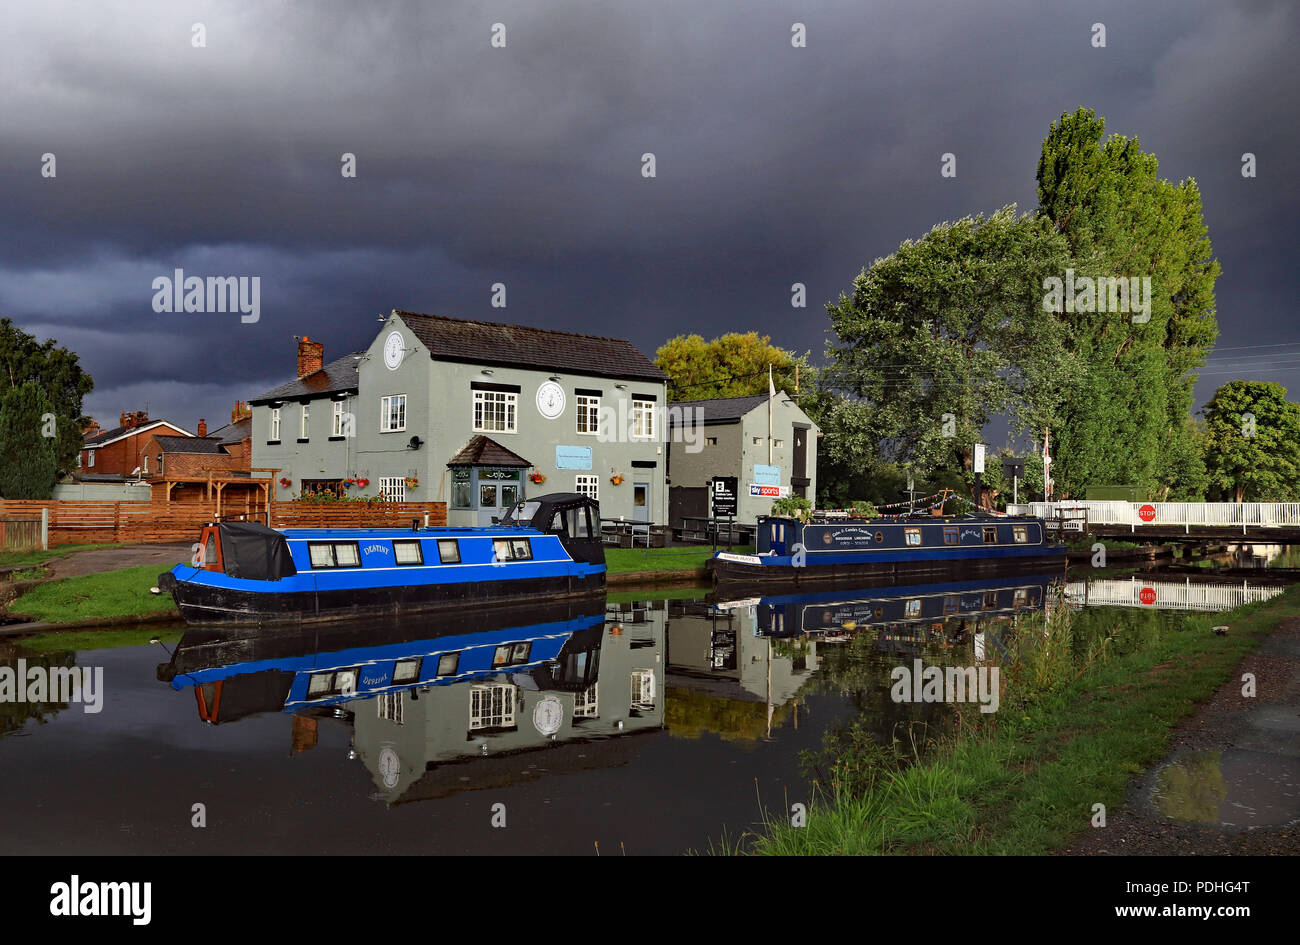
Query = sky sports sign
x=768 y=492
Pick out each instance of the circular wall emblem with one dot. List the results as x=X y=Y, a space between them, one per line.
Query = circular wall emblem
x=1147 y=513
x=880 y=536
x=394 y=351
x=1147 y=595
x=389 y=767
x=826 y=538
x=547 y=715
x=550 y=400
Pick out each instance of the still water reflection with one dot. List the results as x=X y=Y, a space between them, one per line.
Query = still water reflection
x=646 y=726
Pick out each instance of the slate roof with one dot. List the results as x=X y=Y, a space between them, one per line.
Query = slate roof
x=190 y=444
x=722 y=409
x=483 y=451
x=456 y=339
x=234 y=432
x=107 y=435
x=333 y=378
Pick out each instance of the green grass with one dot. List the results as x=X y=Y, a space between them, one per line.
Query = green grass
x=1026 y=783
x=40 y=556
x=113 y=594
x=626 y=560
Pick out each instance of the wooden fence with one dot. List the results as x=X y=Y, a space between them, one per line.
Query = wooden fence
x=111 y=522
x=21 y=532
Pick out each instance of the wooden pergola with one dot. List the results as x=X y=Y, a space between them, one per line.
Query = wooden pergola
x=215 y=483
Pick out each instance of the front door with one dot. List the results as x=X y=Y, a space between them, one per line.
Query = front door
x=489 y=502
x=640 y=501
x=497 y=491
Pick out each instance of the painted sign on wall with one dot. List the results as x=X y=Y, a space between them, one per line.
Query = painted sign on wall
x=768 y=492
x=573 y=457
x=767 y=475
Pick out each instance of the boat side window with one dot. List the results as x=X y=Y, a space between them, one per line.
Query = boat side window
x=512 y=549
x=447 y=664
x=407 y=552
x=579 y=526
x=913 y=535
x=405 y=671
x=210 y=552
x=1021 y=533
x=346 y=554
x=333 y=683
x=913 y=607
x=449 y=551
x=990 y=600
x=950 y=535
x=512 y=654
x=990 y=534
x=951 y=604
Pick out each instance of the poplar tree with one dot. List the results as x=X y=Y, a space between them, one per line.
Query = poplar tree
x=1253 y=443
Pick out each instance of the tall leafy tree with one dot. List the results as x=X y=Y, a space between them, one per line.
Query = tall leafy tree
x=942 y=335
x=58 y=373
x=733 y=365
x=1253 y=443
x=28 y=462
x=1126 y=422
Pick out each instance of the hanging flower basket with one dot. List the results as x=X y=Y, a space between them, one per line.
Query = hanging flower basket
x=616 y=479
x=412 y=482
x=285 y=482
x=536 y=478
x=362 y=483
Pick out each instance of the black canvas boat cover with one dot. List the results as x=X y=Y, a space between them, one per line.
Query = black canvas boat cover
x=254 y=552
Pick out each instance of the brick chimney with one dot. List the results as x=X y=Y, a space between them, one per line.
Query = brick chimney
x=203 y=427
x=92 y=429
x=241 y=412
x=311 y=356
x=134 y=418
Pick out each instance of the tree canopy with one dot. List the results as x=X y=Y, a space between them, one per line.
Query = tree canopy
x=28 y=465
x=1253 y=443
x=733 y=365
x=58 y=373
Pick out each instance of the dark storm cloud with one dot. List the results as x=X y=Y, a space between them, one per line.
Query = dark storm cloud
x=522 y=165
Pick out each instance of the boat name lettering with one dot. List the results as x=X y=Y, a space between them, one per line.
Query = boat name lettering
x=971 y=533
x=376 y=549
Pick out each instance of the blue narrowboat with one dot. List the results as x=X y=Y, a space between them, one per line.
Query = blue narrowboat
x=894 y=546
x=547 y=547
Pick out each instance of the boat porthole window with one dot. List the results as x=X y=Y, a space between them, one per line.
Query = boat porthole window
x=407 y=552
x=880 y=536
x=405 y=671
x=322 y=556
x=346 y=555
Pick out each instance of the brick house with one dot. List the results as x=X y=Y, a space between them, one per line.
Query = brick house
x=123 y=450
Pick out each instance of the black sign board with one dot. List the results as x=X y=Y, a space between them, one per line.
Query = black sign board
x=1014 y=468
x=725 y=491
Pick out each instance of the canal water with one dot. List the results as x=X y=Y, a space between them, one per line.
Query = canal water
x=632 y=724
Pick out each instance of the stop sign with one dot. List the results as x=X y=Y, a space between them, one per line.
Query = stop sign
x=1147 y=513
x=1147 y=595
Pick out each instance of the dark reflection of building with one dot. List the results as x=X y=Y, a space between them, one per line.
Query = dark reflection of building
x=438 y=706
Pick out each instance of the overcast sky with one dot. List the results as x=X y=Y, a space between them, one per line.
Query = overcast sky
x=523 y=165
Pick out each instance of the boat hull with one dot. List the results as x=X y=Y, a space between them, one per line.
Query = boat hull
x=203 y=604
x=734 y=571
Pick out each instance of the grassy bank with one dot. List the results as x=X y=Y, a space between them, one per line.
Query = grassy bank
x=113 y=595
x=629 y=560
x=65 y=640
x=1079 y=719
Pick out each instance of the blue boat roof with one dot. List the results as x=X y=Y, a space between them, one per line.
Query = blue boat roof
x=432 y=532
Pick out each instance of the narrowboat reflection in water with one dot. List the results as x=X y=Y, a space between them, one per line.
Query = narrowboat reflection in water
x=436 y=708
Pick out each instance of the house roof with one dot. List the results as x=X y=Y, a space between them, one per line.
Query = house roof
x=333 y=378
x=722 y=409
x=235 y=432
x=190 y=444
x=484 y=451
x=117 y=433
x=456 y=339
